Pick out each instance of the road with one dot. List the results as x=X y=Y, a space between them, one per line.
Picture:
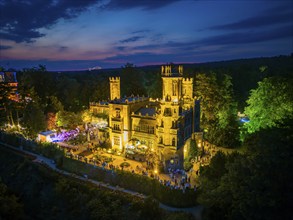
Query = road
x=195 y=211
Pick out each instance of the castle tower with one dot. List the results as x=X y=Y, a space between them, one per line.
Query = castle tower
x=187 y=88
x=174 y=127
x=114 y=88
x=172 y=83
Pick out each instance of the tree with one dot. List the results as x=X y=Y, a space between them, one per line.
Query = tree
x=68 y=119
x=68 y=93
x=33 y=119
x=10 y=207
x=254 y=185
x=8 y=104
x=132 y=81
x=153 y=84
x=54 y=105
x=269 y=104
x=218 y=109
x=38 y=78
x=100 y=90
x=193 y=151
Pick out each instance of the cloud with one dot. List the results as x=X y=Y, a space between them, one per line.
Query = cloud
x=20 y=20
x=131 y=39
x=62 y=49
x=215 y=43
x=120 y=48
x=140 y=31
x=248 y=36
x=273 y=16
x=5 y=47
x=145 y=4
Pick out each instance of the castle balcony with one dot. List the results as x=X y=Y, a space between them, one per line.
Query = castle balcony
x=116 y=119
x=160 y=129
x=116 y=131
x=174 y=131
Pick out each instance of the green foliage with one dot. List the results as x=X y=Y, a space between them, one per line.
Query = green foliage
x=105 y=145
x=39 y=79
x=218 y=109
x=10 y=207
x=99 y=89
x=33 y=119
x=253 y=185
x=269 y=104
x=69 y=91
x=68 y=120
x=193 y=150
x=192 y=153
x=54 y=105
x=132 y=81
x=153 y=84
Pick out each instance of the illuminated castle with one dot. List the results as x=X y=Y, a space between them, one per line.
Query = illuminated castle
x=160 y=126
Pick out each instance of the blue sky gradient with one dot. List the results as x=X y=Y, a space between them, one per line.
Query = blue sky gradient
x=79 y=34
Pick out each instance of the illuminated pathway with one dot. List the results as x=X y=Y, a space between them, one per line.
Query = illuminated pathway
x=195 y=211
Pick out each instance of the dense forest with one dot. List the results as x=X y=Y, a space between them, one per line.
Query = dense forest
x=254 y=182
x=223 y=88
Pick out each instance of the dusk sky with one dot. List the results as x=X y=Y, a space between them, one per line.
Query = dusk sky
x=79 y=34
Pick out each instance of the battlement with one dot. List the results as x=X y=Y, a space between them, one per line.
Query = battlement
x=114 y=79
x=168 y=70
x=187 y=80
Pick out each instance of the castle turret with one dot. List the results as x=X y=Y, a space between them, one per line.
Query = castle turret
x=187 y=87
x=114 y=88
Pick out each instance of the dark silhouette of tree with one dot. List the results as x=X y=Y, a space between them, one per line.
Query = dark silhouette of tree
x=10 y=207
x=132 y=81
x=254 y=185
x=218 y=109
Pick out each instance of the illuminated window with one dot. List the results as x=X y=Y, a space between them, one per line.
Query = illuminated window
x=151 y=130
x=173 y=142
x=168 y=112
x=117 y=113
x=116 y=127
x=117 y=140
x=174 y=89
x=144 y=128
x=136 y=128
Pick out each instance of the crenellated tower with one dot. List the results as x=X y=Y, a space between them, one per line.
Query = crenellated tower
x=174 y=121
x=187 y=91
x=114 y=88
x=172 y=83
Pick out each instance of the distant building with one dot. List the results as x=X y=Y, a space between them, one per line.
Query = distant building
x=160 y=126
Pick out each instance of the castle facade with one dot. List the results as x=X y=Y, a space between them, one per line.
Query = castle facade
x=142 y=125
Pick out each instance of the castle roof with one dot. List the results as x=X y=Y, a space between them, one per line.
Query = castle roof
x=145 y=111
x=129 y=99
